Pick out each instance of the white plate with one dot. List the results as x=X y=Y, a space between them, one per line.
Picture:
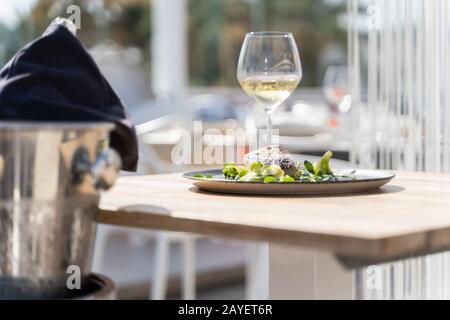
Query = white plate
x=365 y=180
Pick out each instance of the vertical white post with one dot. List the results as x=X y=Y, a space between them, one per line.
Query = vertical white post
x=408 y=74
x=169 y=67
x=263 y=271
x=161 y=272
x=354 y=69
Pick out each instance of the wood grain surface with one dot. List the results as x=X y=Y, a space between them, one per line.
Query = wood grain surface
x=410 y=215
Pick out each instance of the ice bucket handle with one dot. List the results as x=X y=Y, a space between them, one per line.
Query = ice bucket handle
x=104 y=171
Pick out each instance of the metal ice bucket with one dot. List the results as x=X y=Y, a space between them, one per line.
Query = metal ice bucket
x=50 y=174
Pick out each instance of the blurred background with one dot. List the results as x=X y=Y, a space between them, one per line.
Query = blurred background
x=214 y=31
x=374 y=91
x=174 y=61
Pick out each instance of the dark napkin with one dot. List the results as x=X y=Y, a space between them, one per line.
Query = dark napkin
x=54 y=78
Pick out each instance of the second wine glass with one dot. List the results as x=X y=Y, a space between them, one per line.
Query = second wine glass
x=269 y=70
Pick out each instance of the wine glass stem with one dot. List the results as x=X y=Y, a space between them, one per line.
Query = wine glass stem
x=269 y=128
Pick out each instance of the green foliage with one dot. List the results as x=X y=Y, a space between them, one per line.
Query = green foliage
x=216 y=29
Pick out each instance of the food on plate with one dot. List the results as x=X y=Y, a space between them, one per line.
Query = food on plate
x=232 y=171
x=271 y=164
x=272 y=155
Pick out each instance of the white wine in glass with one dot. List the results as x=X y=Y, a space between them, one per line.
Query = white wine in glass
x=270 y=92
x=269 y=70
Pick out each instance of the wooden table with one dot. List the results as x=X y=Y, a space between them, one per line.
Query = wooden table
x=408 y=217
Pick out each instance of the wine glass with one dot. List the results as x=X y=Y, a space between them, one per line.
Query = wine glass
x=335 y=87
x=269 y=70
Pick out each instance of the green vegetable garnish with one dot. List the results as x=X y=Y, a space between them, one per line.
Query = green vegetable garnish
x=252 y=176
x=256 y=167
x=269 y=179
x=309 y=167
x=286 y=179
x=272 y=170
x=242 y=171
x=202 y=176
x=232 y=171
x=322 y=166
x=258 y=172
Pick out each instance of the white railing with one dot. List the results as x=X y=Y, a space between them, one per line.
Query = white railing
x=399 y=64
x=399 y=73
